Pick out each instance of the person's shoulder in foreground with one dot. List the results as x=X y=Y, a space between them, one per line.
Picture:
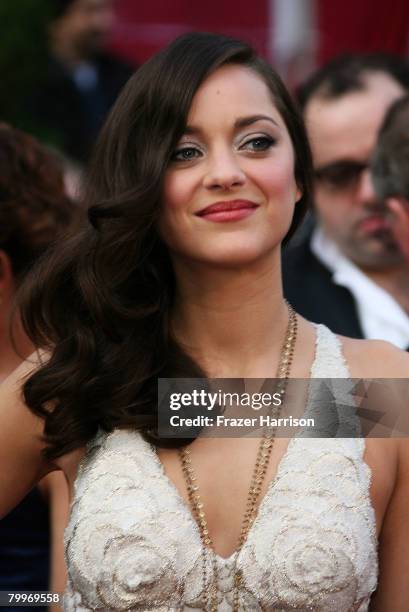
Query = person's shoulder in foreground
x=21 y=437
x=375 y=359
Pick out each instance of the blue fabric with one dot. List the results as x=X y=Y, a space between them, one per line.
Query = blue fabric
x=24 y=547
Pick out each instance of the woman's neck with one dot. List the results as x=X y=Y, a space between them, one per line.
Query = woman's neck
x=232 y=322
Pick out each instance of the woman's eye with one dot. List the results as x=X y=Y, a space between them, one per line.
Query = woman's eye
x=261 y=143
x=186 y=154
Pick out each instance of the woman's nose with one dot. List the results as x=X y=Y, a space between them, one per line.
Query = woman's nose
x=223 y=172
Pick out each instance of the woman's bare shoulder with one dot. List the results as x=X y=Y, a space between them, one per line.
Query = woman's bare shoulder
x=22 y=440
x=375 y=359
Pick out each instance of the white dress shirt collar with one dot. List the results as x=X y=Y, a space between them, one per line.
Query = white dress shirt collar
x=380 y=315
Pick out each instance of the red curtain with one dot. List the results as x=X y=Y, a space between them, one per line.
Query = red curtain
x=145 y=27
x=362 y=25
x=343 y=25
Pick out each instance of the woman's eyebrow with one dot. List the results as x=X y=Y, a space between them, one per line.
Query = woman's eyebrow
x=239 y=123
x=191 y=130
x=245 y=121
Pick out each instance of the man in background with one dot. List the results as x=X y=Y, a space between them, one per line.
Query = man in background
x=82 y=80
x=348 y=271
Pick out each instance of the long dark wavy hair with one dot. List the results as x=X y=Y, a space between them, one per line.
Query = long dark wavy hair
x=100 y=303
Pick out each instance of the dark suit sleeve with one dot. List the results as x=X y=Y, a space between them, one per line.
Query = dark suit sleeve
x=308 y=286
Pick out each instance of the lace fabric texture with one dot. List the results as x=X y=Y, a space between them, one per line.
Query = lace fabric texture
x=132 y=543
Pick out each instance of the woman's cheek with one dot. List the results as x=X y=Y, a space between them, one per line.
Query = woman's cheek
x=276 y=176
x=171 y=192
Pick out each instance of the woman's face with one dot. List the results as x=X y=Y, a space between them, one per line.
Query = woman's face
x=230 y=190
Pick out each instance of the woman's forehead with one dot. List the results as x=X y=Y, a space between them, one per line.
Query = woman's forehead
x=232 y=91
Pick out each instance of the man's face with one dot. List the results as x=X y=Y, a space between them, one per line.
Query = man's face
x=87 y=24
x=343 y=133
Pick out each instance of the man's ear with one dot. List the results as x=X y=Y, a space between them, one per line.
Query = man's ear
x=298 y=194
x=6 y=275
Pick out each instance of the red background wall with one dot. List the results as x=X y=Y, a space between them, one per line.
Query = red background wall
x=343 y=25
x=145 y=27
x=362 y=25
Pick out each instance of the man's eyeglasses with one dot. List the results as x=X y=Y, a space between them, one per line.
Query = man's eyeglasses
x=340 y=175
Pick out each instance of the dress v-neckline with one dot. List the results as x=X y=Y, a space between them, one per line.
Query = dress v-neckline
x=186 y=509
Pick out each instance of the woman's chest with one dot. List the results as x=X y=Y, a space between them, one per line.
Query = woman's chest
x=226 y=490
x=131 y=535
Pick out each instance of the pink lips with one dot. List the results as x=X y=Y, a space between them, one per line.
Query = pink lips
x=231 y=210
x=374 y=223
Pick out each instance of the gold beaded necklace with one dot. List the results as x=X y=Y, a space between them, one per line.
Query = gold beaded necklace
x=260 y=468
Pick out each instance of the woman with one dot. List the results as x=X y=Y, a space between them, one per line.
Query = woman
x=192 y=190
x=34 y=210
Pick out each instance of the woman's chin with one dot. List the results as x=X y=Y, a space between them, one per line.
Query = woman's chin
x=235 y=259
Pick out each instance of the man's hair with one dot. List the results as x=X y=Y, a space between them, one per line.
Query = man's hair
x=346 y=73
x=390 y=165
x=60 y=7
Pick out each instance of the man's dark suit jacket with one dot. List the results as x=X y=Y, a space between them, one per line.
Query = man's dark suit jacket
x=308 y=286
x=69 y=117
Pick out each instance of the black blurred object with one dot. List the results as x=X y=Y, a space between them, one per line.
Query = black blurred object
x=61 y=6
x=23 y=56
x=69 y=110
x=25 y=547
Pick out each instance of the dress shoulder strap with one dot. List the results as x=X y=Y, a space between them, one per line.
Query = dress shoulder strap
x=331 y=399
x=329 y=359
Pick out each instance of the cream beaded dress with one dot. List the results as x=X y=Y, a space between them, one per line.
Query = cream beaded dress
x=132 y=543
